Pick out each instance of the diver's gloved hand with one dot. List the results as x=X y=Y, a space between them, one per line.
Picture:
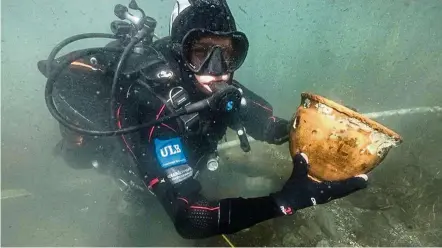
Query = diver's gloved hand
x=301 y=192
x=277 y=131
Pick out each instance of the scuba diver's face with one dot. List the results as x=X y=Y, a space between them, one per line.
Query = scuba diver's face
x=216 y=52
x=213 y=57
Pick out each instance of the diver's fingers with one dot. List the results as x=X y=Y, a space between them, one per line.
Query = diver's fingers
x=300 y=166
x=338 y=189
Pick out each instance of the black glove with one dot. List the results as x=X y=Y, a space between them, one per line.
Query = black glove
x=301 y=192
x=277 y=131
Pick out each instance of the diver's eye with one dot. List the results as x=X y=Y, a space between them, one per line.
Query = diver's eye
x=227 y=51
x=199 y=51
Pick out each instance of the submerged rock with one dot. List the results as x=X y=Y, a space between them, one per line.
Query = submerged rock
x=323 y=243
x=290 y=240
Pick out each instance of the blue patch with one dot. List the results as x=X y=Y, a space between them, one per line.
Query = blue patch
x=170 y=152
x=229 y=106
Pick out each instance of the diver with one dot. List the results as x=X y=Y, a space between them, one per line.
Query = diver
x=185 y=86
x=203 y=51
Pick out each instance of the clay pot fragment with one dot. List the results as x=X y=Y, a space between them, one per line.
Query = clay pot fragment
x=339 y=142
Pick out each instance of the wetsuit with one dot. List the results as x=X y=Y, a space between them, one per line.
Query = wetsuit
x=170 y=155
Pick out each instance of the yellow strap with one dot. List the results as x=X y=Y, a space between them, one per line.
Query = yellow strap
x=228 y=241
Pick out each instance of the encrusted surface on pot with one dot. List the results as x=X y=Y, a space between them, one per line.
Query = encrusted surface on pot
x=340 y=144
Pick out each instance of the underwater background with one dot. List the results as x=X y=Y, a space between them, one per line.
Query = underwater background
x=372 y=55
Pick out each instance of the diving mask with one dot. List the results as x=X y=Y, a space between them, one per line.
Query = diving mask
x=214 y=53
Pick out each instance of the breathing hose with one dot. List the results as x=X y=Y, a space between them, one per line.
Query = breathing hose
x=71 y=39
x=56 y=114
x=126 y=51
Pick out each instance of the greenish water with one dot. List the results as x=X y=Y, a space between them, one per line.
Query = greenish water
x=372 y=55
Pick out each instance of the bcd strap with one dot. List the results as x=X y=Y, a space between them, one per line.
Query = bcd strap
x=178 y=99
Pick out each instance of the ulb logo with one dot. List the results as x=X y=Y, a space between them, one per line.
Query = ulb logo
x=170 y=150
